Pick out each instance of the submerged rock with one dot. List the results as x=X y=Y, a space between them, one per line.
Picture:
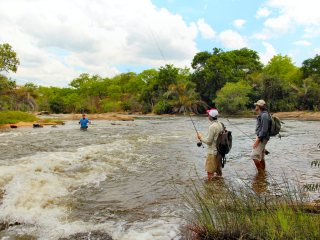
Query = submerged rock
x=95 y=235
x=6 y=225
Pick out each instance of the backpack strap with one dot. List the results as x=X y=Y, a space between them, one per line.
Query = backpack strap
x=223 y=157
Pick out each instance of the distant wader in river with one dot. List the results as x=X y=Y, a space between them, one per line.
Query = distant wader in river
x=84 y=122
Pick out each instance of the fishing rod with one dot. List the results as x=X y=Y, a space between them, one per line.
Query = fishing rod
x=240 y=130
x=265 y=151
x=199 y=144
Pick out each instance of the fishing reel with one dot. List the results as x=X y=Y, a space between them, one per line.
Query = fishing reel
x=199 y=144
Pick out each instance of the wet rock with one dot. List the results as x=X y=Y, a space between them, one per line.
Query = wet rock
x=95 y=235
x=44 y=113
x=37 y=125
x=13 y=126
x=6 y=225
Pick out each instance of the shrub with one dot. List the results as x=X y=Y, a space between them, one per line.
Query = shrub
x=9 y=117
x=162 y=107
x=110 y=106
x=233 y=97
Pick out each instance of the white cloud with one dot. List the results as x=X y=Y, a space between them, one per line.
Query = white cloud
x=302 y=12
x=205 y=29
x=269 y=52
x=317 y=51
x=279 y=24
x=231 y=39
x=54 y=39
x=302 y=43
x=238 y=23
x=263 y=12
x=291 y=15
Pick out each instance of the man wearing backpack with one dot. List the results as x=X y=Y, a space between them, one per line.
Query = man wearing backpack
x=263 y=135
x=213 y=162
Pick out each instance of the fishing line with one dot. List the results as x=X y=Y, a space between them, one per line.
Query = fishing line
x=199 y=144
x=157 y=44
x=266 y=151
x=240 y=130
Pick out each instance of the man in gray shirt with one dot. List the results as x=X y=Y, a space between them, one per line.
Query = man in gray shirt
x=262 y=132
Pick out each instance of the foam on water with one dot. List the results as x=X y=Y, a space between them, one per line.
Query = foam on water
x=38 y=188
x=159 y=229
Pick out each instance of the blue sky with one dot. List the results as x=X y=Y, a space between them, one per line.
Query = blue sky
x=58 y=40
x=222 y=14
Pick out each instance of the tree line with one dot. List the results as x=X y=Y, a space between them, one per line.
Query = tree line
x=229 y=80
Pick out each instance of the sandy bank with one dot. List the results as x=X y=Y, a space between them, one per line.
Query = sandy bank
x=30 y=124
x=300 y=115
x=75 y=117
x=96 y=116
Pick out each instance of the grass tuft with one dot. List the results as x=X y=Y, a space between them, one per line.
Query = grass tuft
x=227 y=211
x=11 y=117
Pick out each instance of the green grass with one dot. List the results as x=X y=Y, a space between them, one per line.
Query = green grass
x=10 y=117
x=229 y=212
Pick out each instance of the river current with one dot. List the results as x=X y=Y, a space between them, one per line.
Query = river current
x=122 y=177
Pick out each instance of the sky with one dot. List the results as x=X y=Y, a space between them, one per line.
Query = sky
x=57 y=40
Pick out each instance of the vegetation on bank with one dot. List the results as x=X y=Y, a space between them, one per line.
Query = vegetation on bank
x=231 y=81
x=11 y=117
x=230 y=212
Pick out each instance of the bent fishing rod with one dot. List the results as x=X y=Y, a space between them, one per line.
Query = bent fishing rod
x=199 y=144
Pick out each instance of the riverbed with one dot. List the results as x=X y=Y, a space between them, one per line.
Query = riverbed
x=124 y=178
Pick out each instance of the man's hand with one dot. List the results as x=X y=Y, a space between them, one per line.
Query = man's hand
x=256 y=143
x=199 y=136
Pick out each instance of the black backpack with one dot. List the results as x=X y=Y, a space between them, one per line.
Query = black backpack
x=224 y=143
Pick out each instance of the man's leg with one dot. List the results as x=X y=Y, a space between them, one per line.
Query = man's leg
x=263 y=164
x=209 y=166
x=257 y=156
x=219 y=165
x=257 y=163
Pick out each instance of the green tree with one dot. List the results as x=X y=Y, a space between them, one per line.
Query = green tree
x=213 y=71
x=283 y=68
x=8 y=58
x=275 y=83
x=233 y=97
x=308 y=94
x=311 y=66
x=167 y=76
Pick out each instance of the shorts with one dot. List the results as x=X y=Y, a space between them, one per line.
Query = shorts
x=213 y=164
x=258 y=152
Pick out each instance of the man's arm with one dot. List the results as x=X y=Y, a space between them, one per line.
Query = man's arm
x=209 y=139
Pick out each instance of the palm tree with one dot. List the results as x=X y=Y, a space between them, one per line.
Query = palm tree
x=183 y=97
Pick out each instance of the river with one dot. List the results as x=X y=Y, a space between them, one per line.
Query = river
x=124 y=178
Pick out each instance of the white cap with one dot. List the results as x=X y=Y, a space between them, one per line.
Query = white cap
x=213 y=112
x=260 y=103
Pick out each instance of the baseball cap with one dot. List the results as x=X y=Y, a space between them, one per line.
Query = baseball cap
x=213 y=112
x=260 y=103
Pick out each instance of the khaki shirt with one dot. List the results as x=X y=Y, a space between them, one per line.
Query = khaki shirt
x=211 y=139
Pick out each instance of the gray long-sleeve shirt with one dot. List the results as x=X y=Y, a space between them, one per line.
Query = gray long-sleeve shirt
x=263 y=125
